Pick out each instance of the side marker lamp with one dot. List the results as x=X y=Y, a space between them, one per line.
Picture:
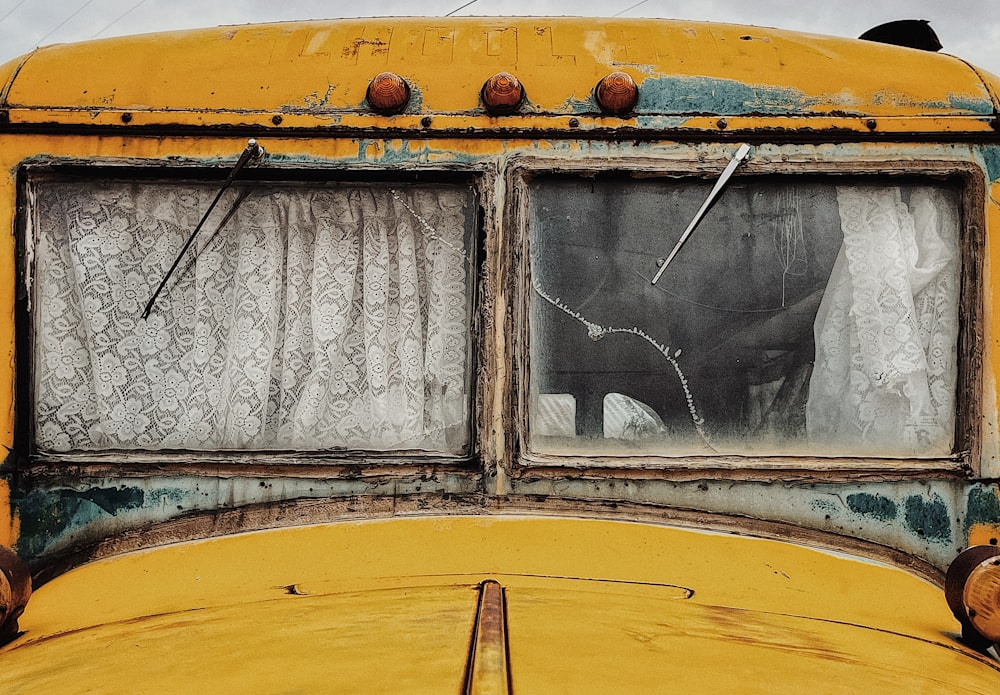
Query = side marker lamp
x=15 y=589
x=617 y=94
x=502 y=94
x=388 y=93
x=972 y=589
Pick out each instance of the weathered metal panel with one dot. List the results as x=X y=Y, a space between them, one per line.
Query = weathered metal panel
x=52 y=514
x=316 y=73
x=573 y=604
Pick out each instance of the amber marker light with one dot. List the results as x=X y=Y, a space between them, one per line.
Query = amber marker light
x=972 y=589
x=982 y=598
x=617 y=94
x=388 y=93
x=15 y=589
x=502 y=94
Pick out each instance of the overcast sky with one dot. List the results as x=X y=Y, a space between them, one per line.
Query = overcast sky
x=967 y=28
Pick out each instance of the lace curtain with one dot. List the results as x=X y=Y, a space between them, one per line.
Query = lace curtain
x=887 y=329
x=319 y=317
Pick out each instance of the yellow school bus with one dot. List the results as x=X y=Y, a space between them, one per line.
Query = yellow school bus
x=499 y=356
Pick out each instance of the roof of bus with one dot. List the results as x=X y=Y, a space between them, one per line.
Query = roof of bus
x=316 y=73
x=585 y=606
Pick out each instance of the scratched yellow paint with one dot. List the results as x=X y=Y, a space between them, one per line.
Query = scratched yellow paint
x=388 y=606
x=315 y=74
x=395 y=600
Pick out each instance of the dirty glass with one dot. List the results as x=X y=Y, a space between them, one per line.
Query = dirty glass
x=804 y=316
x=319 y=317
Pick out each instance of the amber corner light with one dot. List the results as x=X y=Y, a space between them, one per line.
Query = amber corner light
x=502 y=94
x=388 y=93
x=972 y=589
x=15 y=589
x=617 y=94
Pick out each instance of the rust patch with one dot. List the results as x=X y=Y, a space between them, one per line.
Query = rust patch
x=487 y=672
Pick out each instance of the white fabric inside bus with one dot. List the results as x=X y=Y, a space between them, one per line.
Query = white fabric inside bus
x=887 y=328
x=630 y=419
x=319 y=317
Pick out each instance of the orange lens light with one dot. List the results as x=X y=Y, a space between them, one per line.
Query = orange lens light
x=617 y=94
x=15 y=589
x=982 y=599
x=502 y=94
x=972 y=589
x=388 y=93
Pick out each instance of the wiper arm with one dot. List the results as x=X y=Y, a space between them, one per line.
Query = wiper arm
x=741 y=154
x=253 y=152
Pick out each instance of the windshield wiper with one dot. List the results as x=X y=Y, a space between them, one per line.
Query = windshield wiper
x=252 y=153
x=741 y=154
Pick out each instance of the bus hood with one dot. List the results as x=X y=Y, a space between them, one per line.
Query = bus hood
x=489 y=604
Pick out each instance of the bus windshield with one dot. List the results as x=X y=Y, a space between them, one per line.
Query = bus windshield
x=805 y=315
x=320 y=316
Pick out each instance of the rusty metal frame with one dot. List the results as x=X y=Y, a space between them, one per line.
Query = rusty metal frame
x=964 y=463
x=372 y=466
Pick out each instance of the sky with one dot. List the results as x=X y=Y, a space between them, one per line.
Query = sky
x=969 y=29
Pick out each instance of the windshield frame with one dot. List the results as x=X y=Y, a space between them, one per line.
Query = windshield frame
x=337 y=462
x=706 y=162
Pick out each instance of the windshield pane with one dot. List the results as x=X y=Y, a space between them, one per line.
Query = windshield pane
x=803 y=316
x=322 y=316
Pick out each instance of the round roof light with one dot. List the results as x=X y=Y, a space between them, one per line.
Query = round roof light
x=502 y=94
x=617 y=94
x=388 y=93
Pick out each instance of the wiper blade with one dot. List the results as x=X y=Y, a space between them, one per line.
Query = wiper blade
x=741 y=154
x=252 y=153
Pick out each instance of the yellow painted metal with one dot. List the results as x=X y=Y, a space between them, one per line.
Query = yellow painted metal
x=984 y=534
x=569 y=643
x=592 y=606
x=315 y=74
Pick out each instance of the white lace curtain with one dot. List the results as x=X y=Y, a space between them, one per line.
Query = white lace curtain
x=320 y=317
x=887 y=329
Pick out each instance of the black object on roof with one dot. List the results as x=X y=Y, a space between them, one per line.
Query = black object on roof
x=911 y=33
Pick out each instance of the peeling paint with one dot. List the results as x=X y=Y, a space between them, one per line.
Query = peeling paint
x=674 y=94
x=928 y=518
x=44 y=516
x=112 y=500
x=315 y=101
x=876 y=506
x=991 y=157
x=661 y=122
x=912 y=517
x=825 y=506
x=982 y=506
x=980 y=106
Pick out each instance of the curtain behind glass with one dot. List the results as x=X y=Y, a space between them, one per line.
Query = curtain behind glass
x=319 y=317
x=887 y=328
